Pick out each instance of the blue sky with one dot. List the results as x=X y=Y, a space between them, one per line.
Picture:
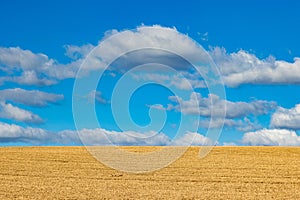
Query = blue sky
x=255 y=45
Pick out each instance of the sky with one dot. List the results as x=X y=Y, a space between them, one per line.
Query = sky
x=48 y=69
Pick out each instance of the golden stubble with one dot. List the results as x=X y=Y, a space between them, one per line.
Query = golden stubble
x=226 y=173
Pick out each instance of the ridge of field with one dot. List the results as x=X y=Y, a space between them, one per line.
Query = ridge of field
x=226 y=173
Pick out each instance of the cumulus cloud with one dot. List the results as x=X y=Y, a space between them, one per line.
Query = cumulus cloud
x=245 y=68
x=286 y=118
x=272 y=137
x=151 y=45
x=29 y=97
x=9 y=111
x=28 y=68
x=151 y=36
x=214 y=106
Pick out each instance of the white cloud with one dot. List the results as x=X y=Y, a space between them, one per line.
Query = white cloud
x=272 y=137
x=101 y=136
x=9 y=111
x=196 y=138
x=149 y=43
x=15 y=57
x=213 y=109
x=245 y=68
x=10 y=133
x=229 y=144
x=28 y=68
x=26 y=97
x=29 y=97
x=157 y=107
x=286 y=118
x=77 y=52
x=214 y=106
x=14 y=133
x=30 y=77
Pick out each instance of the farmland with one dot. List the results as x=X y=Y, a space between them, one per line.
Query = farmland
x=226 y=173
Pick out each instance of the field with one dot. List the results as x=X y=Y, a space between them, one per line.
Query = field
x=226 y=173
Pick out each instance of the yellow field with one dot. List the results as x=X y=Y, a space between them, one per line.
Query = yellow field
x=226 y=173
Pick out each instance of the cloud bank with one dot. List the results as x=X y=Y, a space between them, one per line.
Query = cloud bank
x=272 y=137
x=10 y=133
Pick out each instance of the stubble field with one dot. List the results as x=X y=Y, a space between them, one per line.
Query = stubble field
x=226 y=173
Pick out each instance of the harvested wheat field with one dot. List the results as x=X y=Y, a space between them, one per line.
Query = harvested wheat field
x=226 y=173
